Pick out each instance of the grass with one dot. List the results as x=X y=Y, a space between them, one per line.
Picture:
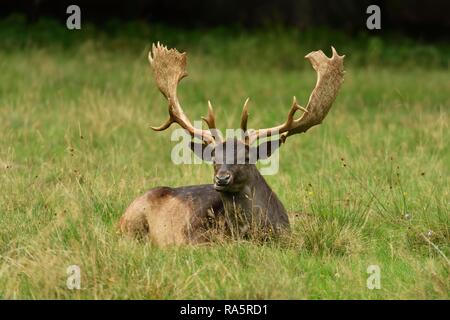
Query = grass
x=370 y=186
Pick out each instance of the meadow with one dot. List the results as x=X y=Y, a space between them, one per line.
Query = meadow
x=370 y=186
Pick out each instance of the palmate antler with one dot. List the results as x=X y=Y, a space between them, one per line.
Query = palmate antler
x=330 y=75
x=169 y=67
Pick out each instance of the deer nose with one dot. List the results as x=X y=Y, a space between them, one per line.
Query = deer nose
x=223 y=179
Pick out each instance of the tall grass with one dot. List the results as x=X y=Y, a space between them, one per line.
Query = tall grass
x=369 y=186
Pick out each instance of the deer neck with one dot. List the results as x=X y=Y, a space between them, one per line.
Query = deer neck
x=251 y=199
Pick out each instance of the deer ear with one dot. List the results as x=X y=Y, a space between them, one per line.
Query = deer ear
x=267 y=148
x=203 y=151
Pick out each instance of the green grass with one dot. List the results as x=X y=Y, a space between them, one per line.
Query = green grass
x=76 y=149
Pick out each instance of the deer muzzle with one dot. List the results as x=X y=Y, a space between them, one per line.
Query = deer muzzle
x=222 y=179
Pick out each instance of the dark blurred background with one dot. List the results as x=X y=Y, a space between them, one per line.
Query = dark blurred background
x=426 y=20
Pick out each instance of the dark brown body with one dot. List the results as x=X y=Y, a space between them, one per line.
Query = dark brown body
x=185 y=215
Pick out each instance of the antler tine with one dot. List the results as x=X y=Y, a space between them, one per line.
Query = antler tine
x=210 y=119
x=169 y=67
x=252 y=136
x=244 y=119
x=330 y=75
x=244 y=115
x=164 y=126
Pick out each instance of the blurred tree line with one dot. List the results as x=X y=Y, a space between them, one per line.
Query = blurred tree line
x=423 y=19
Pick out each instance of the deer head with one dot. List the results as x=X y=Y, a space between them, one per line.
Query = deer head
x=234 y=159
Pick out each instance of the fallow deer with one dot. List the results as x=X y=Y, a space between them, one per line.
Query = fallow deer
x=239 y=193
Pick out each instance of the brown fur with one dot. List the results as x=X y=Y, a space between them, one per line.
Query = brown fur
x=171 y=216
